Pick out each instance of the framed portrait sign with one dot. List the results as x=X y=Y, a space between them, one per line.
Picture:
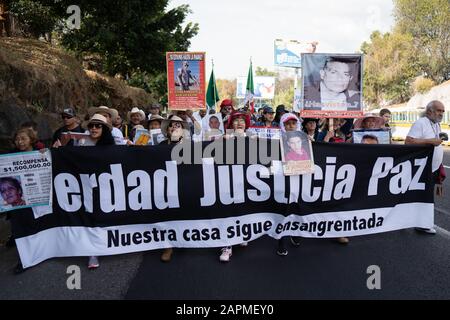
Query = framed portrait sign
x=332 y=85
x=297 y=153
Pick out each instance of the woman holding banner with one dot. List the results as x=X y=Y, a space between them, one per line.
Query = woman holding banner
x=99 y=135
x=238 y=123
x=176 y=131
x=24 y=141
x=289 y=122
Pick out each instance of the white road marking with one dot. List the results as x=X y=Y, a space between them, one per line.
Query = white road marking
x=442 y=211
x=445 y=233
x=446 y=167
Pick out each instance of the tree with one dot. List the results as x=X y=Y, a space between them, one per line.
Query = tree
x=39 y=18
x=132 y=37
x=227 y=88
x=389 y=68
x=263 y=72
x=428 y=24
x=284 y=92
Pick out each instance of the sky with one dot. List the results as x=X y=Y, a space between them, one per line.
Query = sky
x=232 y=31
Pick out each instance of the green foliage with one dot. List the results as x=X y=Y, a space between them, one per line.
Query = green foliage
x=150 y=83
x=227 y=88
x=428 y=24
x=284 y=92
x=389 y=68
x=131 y=34
x=422 y=85
x=38 y=17
x=263 y=72
x=419 y=45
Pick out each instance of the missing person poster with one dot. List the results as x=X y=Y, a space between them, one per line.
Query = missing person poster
x=186 y=80
x=25 y=180
x=296 y=153
x=157 y=137
x=375 y=136
x=213 y=127
x=332 y=85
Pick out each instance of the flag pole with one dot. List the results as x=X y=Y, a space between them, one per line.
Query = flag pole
x=214 y=87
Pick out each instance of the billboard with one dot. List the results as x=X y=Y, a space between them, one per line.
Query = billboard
x=186 y=80
x=288 y=53
x=264 y=87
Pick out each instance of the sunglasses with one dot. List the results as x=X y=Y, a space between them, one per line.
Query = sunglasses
x=95 y=125
x=175 y=125
x=66 y=117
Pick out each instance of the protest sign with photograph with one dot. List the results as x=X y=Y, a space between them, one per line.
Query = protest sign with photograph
x=186 y=80
x=142 y=137
x=374 y=136
x=264 y=133
x=197 y=136
x=25 y=180
x=296 y=152
x=332 y=85
x=213 y=127
x=156 y=137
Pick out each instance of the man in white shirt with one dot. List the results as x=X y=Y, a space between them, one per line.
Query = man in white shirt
x=426 y=130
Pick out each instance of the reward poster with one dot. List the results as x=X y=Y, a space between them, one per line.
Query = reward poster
x=186 y=80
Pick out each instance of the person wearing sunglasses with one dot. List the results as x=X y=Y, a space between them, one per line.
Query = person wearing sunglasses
x=71 y=124
x=99 y=130
x=175 y=129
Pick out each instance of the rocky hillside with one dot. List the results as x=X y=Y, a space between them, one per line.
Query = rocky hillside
x=38 y=80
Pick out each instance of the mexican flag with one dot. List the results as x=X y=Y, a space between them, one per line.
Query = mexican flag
x=250 y=91
x=212 y=95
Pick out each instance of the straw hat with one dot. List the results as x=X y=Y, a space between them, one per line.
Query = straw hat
x=103 y=109
x=166 y=122
x=379 y=121
x=152 y=117
x=136 y=110
x=97 y=118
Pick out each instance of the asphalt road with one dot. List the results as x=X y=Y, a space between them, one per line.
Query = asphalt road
x=412 y=266
x=442 y=208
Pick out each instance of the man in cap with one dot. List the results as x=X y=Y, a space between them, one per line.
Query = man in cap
x=71 y=124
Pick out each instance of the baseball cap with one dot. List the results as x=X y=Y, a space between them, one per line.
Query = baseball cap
x=268 y=109
x=281 y=108
x=69 y=112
